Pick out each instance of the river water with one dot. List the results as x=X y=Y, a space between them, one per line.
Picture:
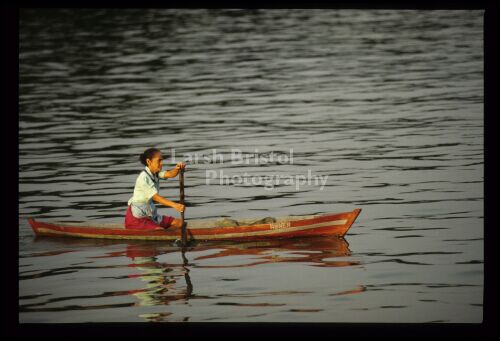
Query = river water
x=386 y=105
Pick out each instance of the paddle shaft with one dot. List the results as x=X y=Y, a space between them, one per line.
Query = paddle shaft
x=183 y=228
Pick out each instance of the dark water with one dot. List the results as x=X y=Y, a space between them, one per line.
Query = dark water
x=387 y=104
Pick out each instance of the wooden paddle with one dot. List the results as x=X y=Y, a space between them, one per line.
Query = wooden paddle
x=183 y=228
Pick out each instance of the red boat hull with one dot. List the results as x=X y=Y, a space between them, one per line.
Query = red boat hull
x=324 y=225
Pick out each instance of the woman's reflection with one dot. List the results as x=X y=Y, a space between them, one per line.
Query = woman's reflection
x=161 y=280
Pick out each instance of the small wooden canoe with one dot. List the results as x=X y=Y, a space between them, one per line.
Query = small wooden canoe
x=335 y=224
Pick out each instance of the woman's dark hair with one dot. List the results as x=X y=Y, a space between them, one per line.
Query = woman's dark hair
x=148 y=154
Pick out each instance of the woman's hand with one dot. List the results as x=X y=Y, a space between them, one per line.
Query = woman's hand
x=180 y=165
x=180 y=207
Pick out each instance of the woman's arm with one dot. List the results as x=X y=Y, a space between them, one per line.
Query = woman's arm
x=166 y=202
x=174 y=171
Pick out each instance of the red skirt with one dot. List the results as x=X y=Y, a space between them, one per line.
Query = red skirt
x=145 y=223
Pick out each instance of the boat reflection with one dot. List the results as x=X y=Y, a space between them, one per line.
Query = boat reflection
x=166 y=282
x=316 y=251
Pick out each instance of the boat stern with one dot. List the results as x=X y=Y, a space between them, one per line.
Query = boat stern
x=33 y=224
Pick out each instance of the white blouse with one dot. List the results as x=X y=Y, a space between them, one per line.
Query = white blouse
x=146 y=186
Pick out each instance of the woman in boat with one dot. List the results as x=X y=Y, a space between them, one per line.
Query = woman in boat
x=141 y=212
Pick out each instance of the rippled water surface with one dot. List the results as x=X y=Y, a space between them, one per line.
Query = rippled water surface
x=387 y=104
